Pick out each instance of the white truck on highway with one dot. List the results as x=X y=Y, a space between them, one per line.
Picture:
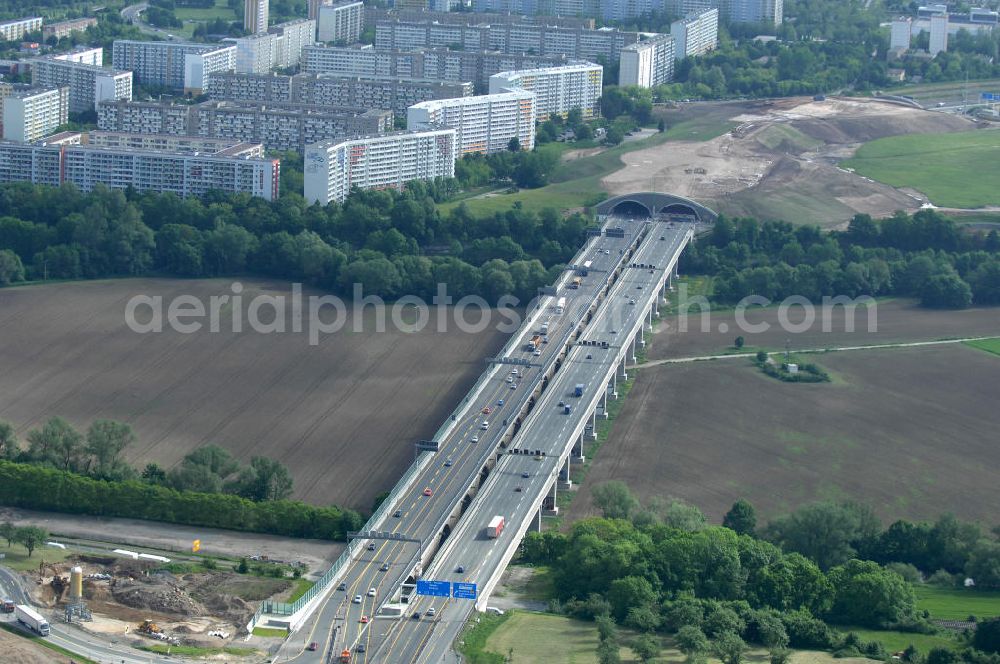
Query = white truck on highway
x=31 y=619
x=494 y=527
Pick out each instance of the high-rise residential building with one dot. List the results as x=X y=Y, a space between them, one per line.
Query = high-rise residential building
x=648 y=63
x=18 y=28
x=333 y=168
x=483 y=124
x=83 y=55
x=939 y=34
x=278 y=48
x=730 y=11
x=558 y=90
x=29 y=115
x=984 y=16
x=61 y=29
x=538 y=39
x=395 y=94
x=438 y=64
x=341 y=22
x=503 y=16
x=88 y=84
x=255 y=15
x=278 y=126
x=169 y=143
x=184 y=174
x=178 y=65
x=926 y=11
x=695 y=34
x=312 y=8
x=901 y=33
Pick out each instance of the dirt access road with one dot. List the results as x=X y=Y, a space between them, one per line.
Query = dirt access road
x=780 y=159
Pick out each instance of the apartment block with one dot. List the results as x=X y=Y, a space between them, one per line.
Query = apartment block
x=546 y=40
x=255 y=15
x=83 y=55
x=61 y=29
x=293 y=36
x=901 y=33
x=439 y=64
x=333 y=168
x=483 y=124
x=558 y=90
x=939 y=34
x=648 y=63
x=121 y=168
x=18 y=28
x=695 y=34
x=28 y=115
x=499 y=16
x=341 y=22
x=312 y=8
x=166 y=143
x=730 y=11
x=276 y=126
x=177 y=65
x=88 y=84
x=395 y=94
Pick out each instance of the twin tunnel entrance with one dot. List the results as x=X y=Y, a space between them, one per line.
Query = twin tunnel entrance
x=646 y=205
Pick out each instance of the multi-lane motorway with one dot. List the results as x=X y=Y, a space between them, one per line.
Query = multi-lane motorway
x=605 y=309
x=346 y=620
x=520 y=482
x=343 y=624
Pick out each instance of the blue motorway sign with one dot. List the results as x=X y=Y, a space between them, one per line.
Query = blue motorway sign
x=462 y=590
x=990 y=96
x=434 y=588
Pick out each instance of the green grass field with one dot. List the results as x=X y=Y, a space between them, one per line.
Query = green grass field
x=196 y=651
x=577 y=183
x=896 y=641
x=16 y=557
x=220 y=10
x=955 y=604
x=954 y=170
x=989 y=345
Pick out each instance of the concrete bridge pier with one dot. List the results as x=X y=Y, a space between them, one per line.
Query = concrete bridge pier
x=649 y=319
x=549 y=506
x=536 y=523
x=614 y=389
x=564 y=477
x=577 y=453
x=624 y=371
x=642 y=337
x=635 y=345
x=604 y=404
x=593 y=424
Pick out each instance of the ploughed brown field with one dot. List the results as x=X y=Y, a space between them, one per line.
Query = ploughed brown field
x=342 y=415
x=910 y=431
x=895 y=321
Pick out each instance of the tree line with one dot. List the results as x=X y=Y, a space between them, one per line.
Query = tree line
x=662 y=568
x=63 y=470
x=392 y=243
x=924 y=255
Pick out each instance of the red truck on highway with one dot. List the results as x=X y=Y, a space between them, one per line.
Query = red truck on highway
x=494 y=527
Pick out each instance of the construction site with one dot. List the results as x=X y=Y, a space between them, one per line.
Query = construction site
x=149 y=602
x=780 y=159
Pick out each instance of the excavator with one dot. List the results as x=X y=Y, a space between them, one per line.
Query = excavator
x=148 y=627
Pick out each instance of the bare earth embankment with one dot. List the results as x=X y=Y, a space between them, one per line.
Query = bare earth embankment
x=342 y=415
x=910 y=431
x=780 y=161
